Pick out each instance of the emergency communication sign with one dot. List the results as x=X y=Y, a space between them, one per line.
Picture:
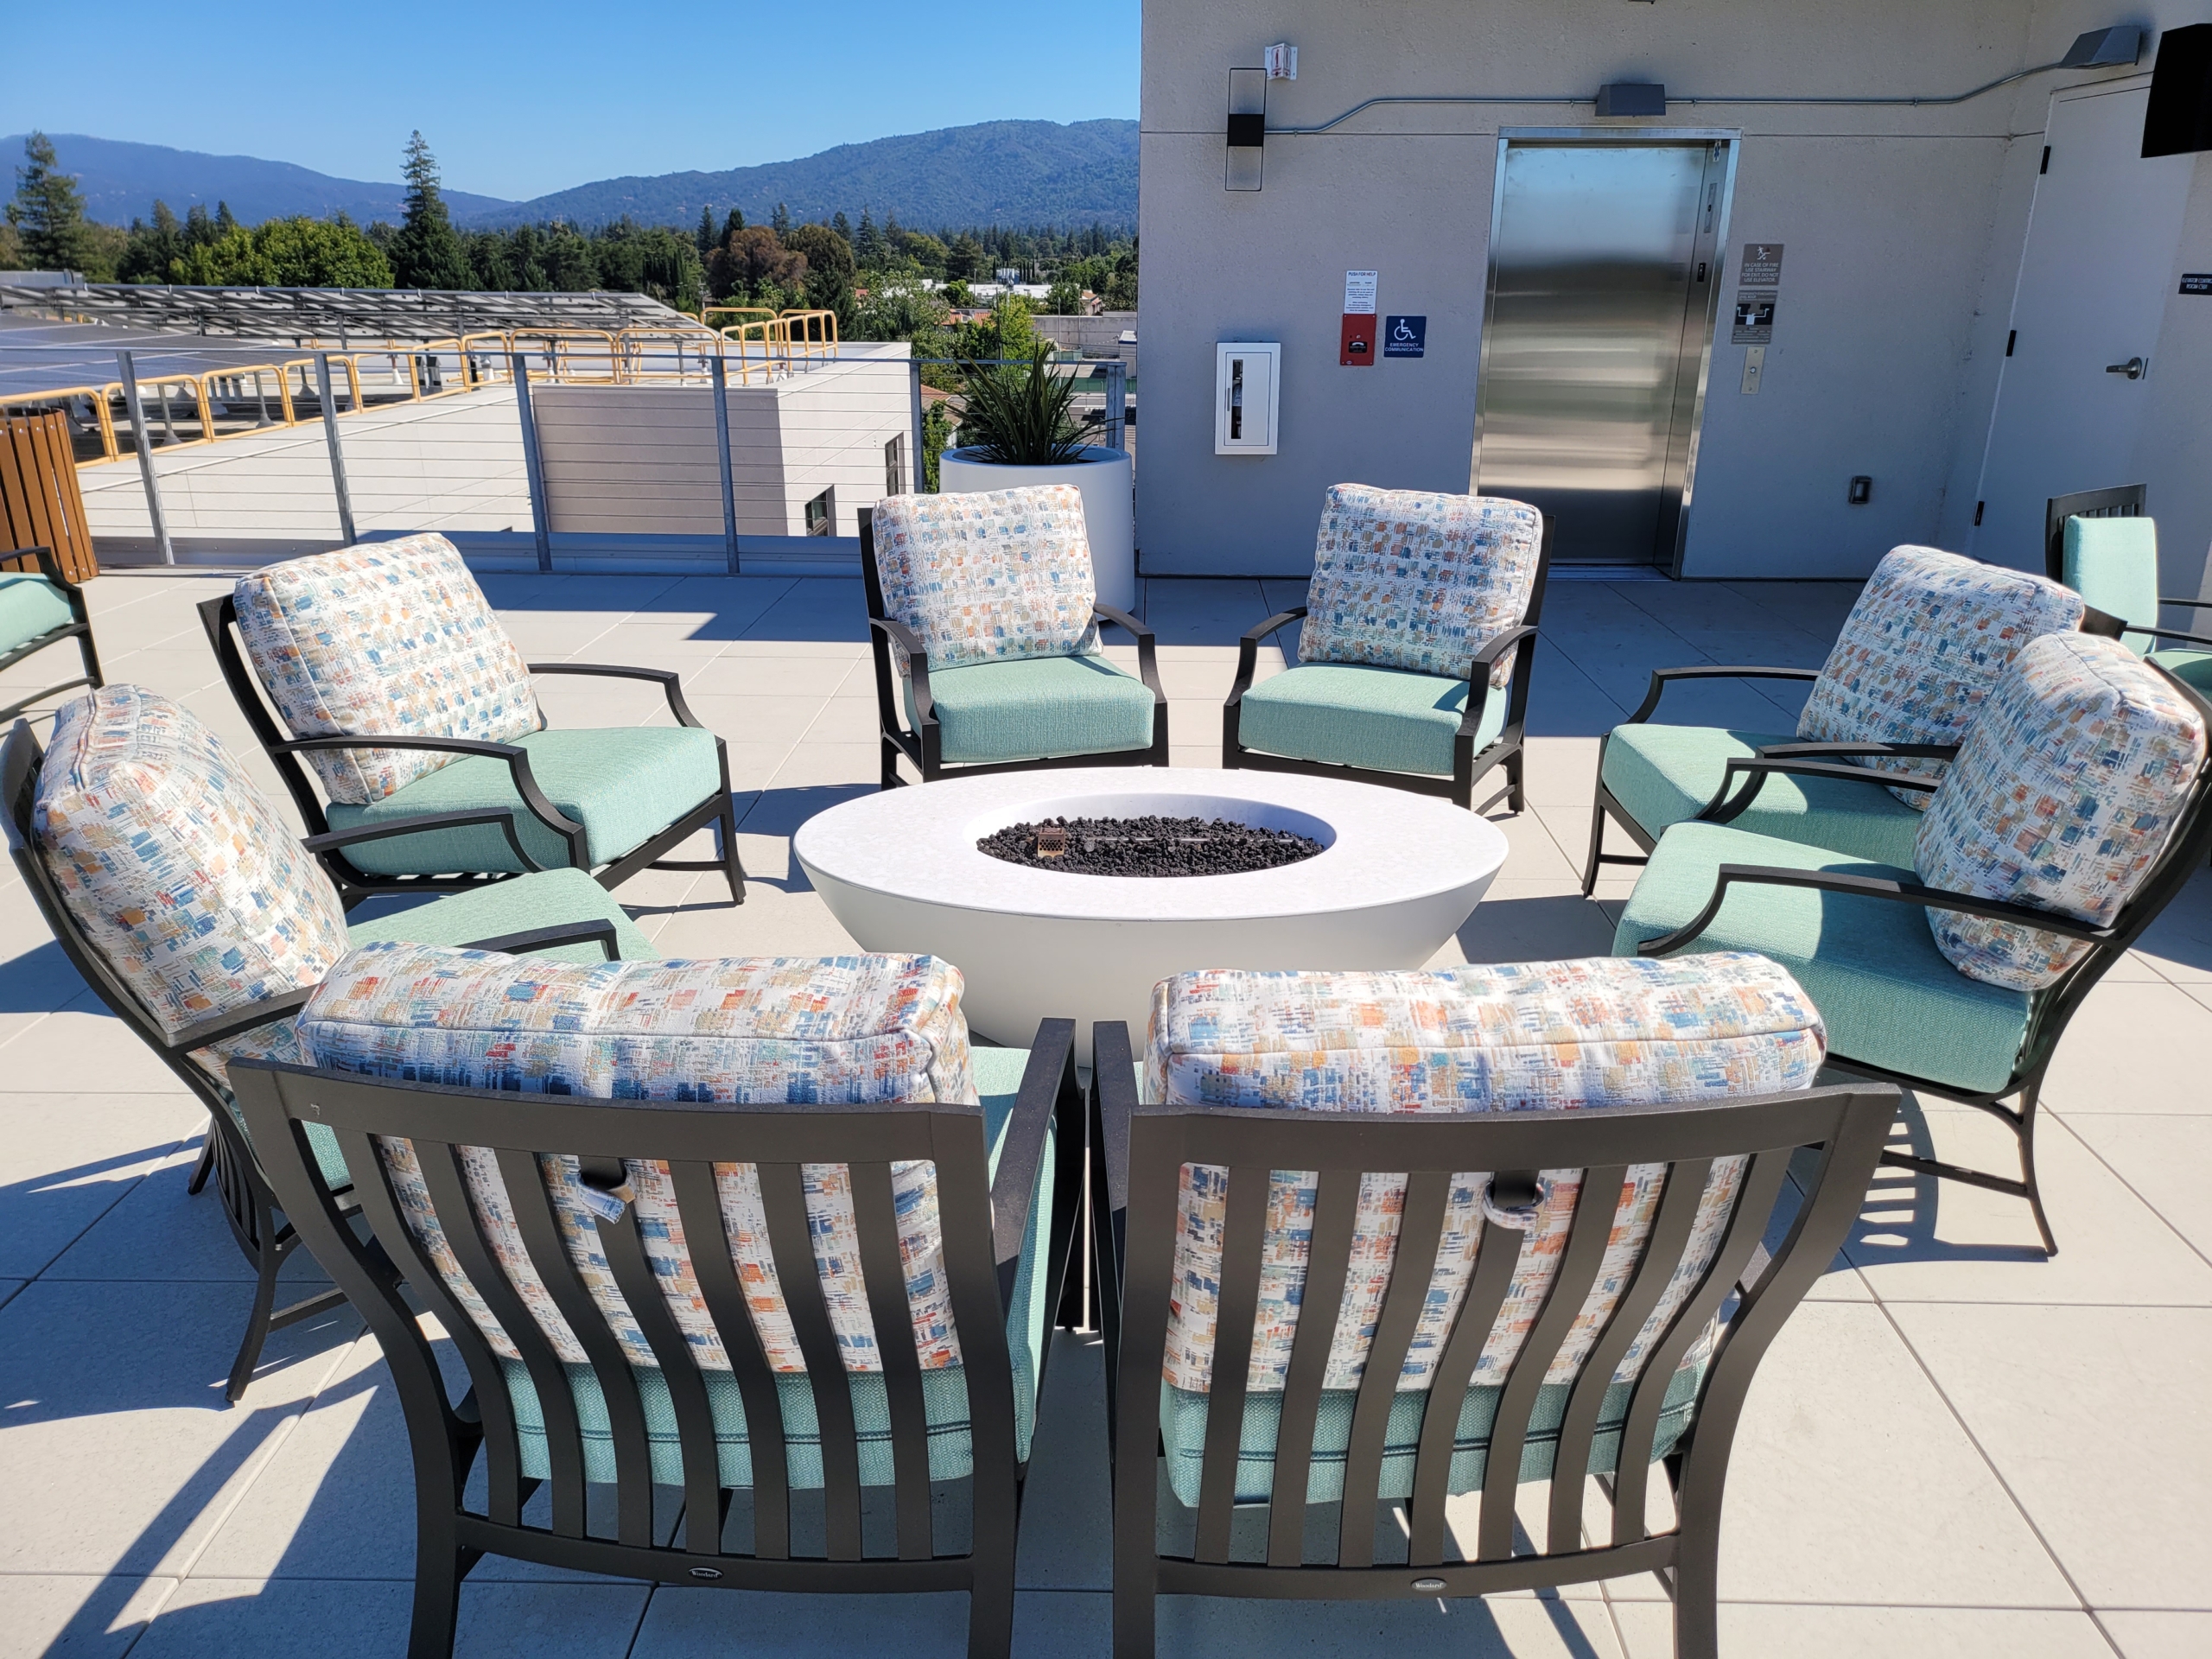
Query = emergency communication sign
x=1405 y=336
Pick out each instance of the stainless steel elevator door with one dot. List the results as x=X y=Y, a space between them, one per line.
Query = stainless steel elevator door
x=1598 y=320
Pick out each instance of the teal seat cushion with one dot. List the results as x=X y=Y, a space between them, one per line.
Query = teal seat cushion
x=944 y=1392
x=1886 y=994
x=30 y=605
x=1662 y=775
x=2113 y=564
x=1350 y=715
x=1183 y=1435
x=1036 y=708
x=528 y=902
x=623 y=783
x=2191 y=668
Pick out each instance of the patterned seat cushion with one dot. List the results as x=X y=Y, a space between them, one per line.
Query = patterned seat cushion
x=389 y=637
x=748 y=1030
x=179 y=870
x=991 y=576
x=1930 y=636
x=1418 y=580
x=2061 y=798
x=1539 y=1035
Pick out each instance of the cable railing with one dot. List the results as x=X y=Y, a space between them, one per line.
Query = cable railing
x=184 y=405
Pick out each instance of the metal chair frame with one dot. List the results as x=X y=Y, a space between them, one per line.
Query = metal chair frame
x=1142 y=1149
x=219 y=617
x=250 y=1206
x=922 y=746
x=1467 y=765
x=983 y=1222
x=2049 y=1009
x=79 y=627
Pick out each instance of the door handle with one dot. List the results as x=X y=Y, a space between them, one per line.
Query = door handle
x=2133 y=368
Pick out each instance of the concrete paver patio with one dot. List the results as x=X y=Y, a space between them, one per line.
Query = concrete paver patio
x=1957 y=1447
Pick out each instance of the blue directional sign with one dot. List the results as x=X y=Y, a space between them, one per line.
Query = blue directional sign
x=1405 y=336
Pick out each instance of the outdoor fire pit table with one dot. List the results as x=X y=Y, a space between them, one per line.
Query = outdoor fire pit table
x=1397 y=875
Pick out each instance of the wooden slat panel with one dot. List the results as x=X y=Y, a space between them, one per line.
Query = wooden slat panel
x=41 y=505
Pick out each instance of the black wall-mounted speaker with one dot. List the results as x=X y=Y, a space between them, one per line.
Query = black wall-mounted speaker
x=2179 y=119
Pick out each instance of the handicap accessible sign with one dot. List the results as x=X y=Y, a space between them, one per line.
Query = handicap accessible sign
x=1405 y=336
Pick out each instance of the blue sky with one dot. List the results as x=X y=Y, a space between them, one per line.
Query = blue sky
x=520 y=99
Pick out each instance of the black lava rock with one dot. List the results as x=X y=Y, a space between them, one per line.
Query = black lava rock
x=1146 y=846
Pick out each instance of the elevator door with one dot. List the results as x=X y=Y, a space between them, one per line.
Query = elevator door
x=1599 y=322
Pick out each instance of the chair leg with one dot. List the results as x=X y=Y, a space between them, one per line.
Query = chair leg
x=438 y=1567
x=1135 y=1611
x=731 y=865
x=1697 y=1593
x=206 y=1163
x=991 y=1611
x=890 y=779
x=1597 y=846
x=2028 y=1099
x=271 y=1263
x=1517 y=798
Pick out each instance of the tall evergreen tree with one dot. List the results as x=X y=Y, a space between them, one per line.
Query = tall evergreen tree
x=782 y=222
x=732 y=225
x=48 y=211
x=703 y=238
x=868 y=243
x=842 y=225
x=225 y=220
x=428 y=252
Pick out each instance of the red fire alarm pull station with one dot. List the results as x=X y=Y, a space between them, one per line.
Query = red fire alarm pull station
x=1357 y=347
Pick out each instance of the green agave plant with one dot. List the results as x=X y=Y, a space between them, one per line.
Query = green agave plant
x=1020 y=416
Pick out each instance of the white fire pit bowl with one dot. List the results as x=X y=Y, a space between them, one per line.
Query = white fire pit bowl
x=1397 y=876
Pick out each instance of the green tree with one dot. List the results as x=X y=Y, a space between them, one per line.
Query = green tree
x=842 y=225
x=828 y=269
x=868 y=248
x=151 y=249
x=225 y=220
x=428 y=252
x=1063 y=299
x=782 y=221
x=298 y=252
x=964 y=258
x=733 y=225
x=48 y=213
x=704 y=237
x=1120 y=292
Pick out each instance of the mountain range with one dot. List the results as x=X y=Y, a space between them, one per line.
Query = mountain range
x=994 y=172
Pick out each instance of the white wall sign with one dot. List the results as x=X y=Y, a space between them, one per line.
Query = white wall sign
x=1359 y=292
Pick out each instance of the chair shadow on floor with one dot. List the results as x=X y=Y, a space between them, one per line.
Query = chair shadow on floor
x=1897 y=1222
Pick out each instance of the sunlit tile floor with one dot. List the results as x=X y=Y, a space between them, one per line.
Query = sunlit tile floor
x=1957 y=1447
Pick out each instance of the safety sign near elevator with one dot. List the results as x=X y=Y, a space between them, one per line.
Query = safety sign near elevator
x=1758 y=278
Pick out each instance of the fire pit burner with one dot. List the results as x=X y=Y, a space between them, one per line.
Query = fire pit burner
x=1149 y=846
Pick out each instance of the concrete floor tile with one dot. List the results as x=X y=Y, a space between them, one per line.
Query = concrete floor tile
x=1534 y=921
x=2102 y=1438
x=2159 y=1635
x=1851 y=1481
x=66 y=1160
x=685 y=1623
x=159 y=1232
x=758 y=719
x=2163 y=1160
x=1067 y=1502
x=77 y=1617
x=2133 y=1048
x=1808 y=1631
x=82 y=1049
x=2179 y=942
x=1570 y=828
x=813 y=766
x=1924 y=1240
x=740 y=672
x=1561 y=771
x=1517 y=1626
x=131 y=1466
x=1533 y=852
x=337 y=1619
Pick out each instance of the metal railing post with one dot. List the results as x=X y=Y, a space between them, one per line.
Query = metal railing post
x=337 y=455
x=142 y=440
x=721 y=461
x=914 y=364
x=1117 y=403
x=533 y=465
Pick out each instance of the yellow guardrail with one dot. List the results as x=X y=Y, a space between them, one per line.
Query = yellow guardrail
x=765 y=341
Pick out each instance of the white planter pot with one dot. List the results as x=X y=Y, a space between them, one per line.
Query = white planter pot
x=1108 y=510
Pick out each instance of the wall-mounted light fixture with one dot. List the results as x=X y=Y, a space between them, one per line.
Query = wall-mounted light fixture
x=1248 y=128
x=1632 y=98
x=2100 y=48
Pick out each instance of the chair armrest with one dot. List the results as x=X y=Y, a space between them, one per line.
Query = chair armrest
x=1870 y=887
x=49 y=566
x=517 y=763
x=1880 y=750
x=1114 y=1095
x=1721 y=809
x=2187 y=604
x=918 y=666
x=1148 y=651
x=502 y=816
x=541 y=938
x=238 y=1022
x=670 y=682
x=1046 y=1081
x=1248 y=650
x=1479 y=685
x=1663 y=678
x=2172 y=633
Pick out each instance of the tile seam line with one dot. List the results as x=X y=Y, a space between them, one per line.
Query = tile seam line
x=2186 y=1242
x=175 y=1585
x=2003 y=1485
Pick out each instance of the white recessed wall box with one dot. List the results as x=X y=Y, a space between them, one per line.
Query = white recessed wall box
x=1247 y=393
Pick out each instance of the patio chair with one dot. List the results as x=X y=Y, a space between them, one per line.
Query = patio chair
x=1928 y=635
x=2111 y=559
x=1569 y=1303
x=174 y=886
x=761 y=1230
x=983 y=621
x=1418 y=643
x=40 y=608
x=2076 y=810
x=395 y=682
